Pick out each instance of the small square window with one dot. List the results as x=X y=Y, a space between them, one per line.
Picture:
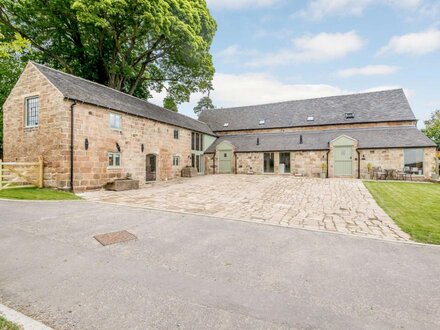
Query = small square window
x=262 y=122
x=176 y=160
x=31 y=114
x=225 y=124
x=310 y=118
x=349 y=115
x=115 y=121
x=176 y=134
x=114 y=159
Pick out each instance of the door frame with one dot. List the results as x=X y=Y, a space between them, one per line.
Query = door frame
x=343 y=141
x=156 y=172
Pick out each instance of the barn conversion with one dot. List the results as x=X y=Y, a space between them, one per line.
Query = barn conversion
x=90 y=134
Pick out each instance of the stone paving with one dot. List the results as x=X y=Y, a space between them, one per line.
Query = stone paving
x=335 y=205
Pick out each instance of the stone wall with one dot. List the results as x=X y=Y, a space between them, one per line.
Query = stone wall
x=50 y=139
x=91 y=166
x=394 y=159
x=320 y=128
x=309 y=162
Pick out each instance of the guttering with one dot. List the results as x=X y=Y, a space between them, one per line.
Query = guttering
x=72 y=106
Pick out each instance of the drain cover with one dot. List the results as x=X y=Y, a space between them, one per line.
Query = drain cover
x=115 y=237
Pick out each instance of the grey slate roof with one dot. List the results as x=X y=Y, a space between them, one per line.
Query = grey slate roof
x=86 y=91
x=391 y=105
x=384 y=137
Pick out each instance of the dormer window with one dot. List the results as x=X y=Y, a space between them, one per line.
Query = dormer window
x=225 y=124
x=349 y=115
x=262 y=122
x=310 y=118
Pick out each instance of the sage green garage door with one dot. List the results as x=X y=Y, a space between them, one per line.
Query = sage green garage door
x=225 y=161
x=343 y=161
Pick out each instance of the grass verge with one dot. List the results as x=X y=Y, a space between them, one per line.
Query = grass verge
x=415 y=207
x=7 y=325
x=37 y=194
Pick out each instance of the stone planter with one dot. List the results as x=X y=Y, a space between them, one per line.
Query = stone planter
x=189 y=172
x=122 y=184
x=434 y=176
x=323 y=175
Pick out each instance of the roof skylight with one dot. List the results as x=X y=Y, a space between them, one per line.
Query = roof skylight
x=225 y=124
x=262 y=122
x=349 y=115
x=310 y=118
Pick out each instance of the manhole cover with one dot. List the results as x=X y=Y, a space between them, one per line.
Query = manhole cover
x=115 y=237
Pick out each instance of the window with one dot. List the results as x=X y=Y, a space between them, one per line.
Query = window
x=413 y=159
x=114 y=159
x=115 y=121
x=269 y=164
x=176 y=160
x=176 y=134
x=196 y=141
x=262 y=122
x=285 y=159
x=349 y=115
x=225 y=124
x=31 y=112
x=310 y=118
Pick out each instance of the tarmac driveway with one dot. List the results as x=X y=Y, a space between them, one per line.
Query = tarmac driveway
x=336 y=205
x=196 y=272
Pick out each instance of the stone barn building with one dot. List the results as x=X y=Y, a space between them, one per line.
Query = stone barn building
x=90 y=135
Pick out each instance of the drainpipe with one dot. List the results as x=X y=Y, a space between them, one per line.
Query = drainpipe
x=359 y=163
x=327 y=161
x=213 y=162
x=71 y=144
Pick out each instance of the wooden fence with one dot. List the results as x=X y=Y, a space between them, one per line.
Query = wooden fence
x=19 y=175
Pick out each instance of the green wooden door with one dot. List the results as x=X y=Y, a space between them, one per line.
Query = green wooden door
x=343 y=161
x=225 y=161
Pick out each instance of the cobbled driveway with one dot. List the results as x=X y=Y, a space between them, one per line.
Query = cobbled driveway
x=336 y=205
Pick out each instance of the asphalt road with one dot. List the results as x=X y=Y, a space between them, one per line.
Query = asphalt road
x=193 y=272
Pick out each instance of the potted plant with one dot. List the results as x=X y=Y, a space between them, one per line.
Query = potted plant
x=369 y=169
x=323 y=170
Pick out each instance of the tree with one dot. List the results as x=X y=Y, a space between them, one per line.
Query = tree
x=170 y=104
x=205 y=103
x=432 y=127
x=10 y=67
x=134 y=46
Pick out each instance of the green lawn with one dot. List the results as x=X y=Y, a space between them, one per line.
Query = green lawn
x=415 y=207
x=6 y=325
x=37 y=194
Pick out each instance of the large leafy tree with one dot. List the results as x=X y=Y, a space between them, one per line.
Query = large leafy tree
x=136 y=46
x=432 y=127
x=11 y=64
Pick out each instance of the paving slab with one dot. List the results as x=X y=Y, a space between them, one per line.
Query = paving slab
x=336 y=205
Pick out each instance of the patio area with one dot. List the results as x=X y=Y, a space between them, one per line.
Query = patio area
x=334 y=205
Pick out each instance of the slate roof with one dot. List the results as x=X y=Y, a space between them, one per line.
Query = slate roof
x=79 y=89
x=385 y=137
x=390 y=105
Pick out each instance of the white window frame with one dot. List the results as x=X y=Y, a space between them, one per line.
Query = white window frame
x=110 y=121
x=26 y=100
x=176 y=157
x=113 y=154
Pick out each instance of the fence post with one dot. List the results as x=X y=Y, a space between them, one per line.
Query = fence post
x=40 y=172
x=1 y=174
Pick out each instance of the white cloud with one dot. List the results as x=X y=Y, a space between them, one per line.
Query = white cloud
x=369 y=70
x=319 y=47
x=418 y=43
x=239 y=4
x=232 y=90
x=318 y=9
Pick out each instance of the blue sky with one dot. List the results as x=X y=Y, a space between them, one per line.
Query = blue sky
x=276 y=50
